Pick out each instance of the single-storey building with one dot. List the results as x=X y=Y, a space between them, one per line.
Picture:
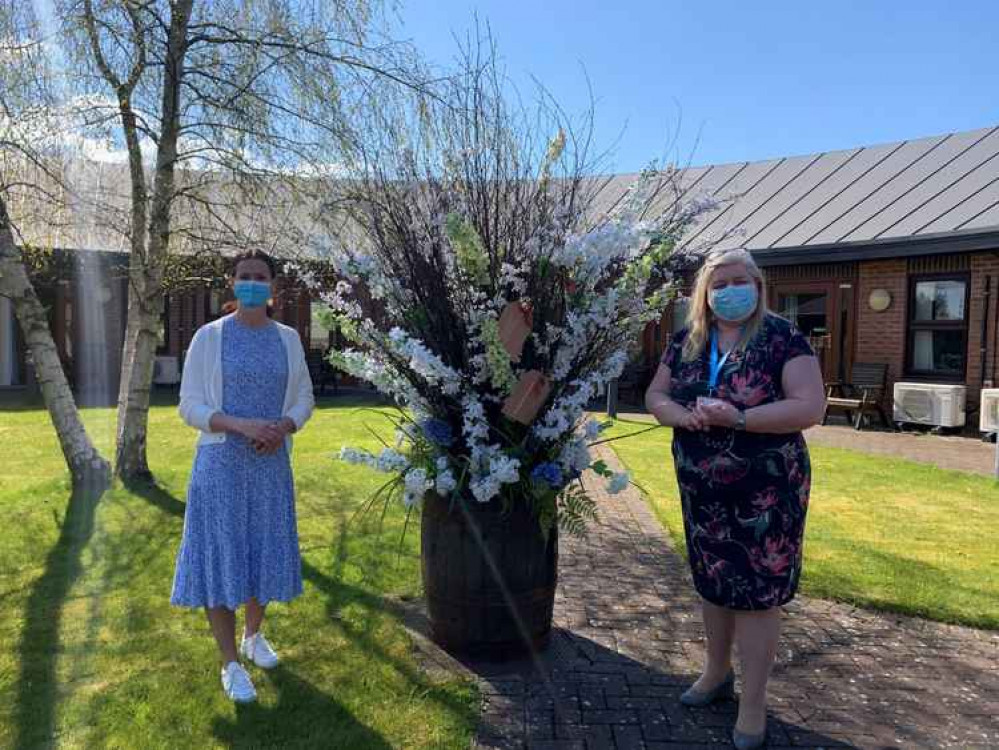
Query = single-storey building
x=881 y=254
x=87 y=306
x=79 y=256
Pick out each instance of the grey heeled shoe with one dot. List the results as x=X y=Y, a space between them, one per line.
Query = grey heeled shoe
x=701 y=698
x=743 y=741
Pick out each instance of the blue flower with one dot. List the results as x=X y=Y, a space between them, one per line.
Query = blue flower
x=437 y=431
x=549 y=473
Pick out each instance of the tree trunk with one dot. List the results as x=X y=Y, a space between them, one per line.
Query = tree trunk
x=145 y=295
x=89 y=470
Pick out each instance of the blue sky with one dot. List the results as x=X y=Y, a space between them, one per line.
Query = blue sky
x=742 y=80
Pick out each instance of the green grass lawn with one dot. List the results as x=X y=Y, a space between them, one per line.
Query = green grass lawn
x=882 y=533
x=93 y=655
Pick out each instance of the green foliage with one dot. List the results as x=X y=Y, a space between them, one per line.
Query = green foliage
x=576 y=510
x=498 y=359
x=471 y=255
x=544 y=503
x=600 y=468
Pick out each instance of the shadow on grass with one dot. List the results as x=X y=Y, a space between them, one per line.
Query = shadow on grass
x=303 y=717
x=38 y=649
x=158 y=498
x=340 y=595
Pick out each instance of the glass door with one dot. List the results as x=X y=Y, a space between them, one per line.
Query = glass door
x=809 y=311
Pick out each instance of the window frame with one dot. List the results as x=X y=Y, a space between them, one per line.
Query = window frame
x=912 y=326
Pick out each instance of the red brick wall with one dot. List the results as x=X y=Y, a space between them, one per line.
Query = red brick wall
x=881 y=335
x=188 y=312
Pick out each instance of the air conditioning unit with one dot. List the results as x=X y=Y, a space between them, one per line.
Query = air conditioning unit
x=166 y=371
x=929 y=403
x=989 y=419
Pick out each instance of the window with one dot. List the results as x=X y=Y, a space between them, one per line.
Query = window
x=163 y=332
x=938 y=326
x=319 y=334
x=216 y=298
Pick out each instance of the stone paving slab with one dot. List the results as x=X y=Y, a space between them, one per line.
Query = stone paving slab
x=628 y=642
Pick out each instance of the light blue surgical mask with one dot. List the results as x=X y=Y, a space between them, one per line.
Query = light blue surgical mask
x=734 y=303
x=252 y=293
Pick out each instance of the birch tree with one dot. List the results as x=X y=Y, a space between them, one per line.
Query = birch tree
x=249 y=95
x=28 y=167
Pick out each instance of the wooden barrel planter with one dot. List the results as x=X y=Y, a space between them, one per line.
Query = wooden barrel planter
x=475 y=609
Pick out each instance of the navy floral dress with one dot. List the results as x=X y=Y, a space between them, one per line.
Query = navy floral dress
x=744 y=495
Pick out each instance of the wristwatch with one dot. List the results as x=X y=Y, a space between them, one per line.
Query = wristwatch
x=740 y=421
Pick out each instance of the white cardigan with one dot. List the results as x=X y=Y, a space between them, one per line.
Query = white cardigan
x=201 y=383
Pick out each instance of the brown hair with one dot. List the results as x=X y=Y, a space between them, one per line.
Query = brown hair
x=255 y=255
x=231 y=306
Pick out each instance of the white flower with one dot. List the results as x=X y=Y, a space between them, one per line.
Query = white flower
x=506 y=470
x=445 y=483
x=474 y=424
x=593 y=252
x=619 y=482
x=354 y=456
x=591 y=430
x=576 y=456
x=424 y=362
x=415 y=486
x=416 y=480
x=390 y=460
x=485 y=489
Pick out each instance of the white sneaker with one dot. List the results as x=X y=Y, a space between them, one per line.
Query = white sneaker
x=237 y=684
x=259 y=651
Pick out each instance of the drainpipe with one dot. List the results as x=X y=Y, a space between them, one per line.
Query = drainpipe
x=984 y=347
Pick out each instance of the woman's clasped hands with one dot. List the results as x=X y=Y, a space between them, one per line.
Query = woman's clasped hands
x=708 y=413
x=265 y=436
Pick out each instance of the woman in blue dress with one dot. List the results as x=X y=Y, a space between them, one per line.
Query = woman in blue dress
x=246 y=388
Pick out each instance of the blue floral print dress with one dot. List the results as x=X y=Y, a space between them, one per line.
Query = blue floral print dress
x=744 y=495
x=240 y=536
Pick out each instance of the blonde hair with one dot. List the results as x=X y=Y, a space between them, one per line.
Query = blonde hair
x=700 y=317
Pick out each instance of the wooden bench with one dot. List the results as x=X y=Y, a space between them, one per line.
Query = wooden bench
x=634 y=381
x=864 y=394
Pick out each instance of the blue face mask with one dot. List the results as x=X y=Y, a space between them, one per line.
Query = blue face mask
x=734 y=303
x=252 y=293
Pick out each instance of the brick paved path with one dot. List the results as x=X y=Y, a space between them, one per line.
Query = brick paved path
x=629 y=641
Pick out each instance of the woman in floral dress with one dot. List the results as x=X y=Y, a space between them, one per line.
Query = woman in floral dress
x=739 y=385
x=246 y=388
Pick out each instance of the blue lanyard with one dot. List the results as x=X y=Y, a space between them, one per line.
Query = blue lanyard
x=716 y=362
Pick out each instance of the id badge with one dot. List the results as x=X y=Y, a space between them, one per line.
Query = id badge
x=710 y=401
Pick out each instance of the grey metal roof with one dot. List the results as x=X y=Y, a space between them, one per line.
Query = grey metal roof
x=935 y=194
x=870 y=197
